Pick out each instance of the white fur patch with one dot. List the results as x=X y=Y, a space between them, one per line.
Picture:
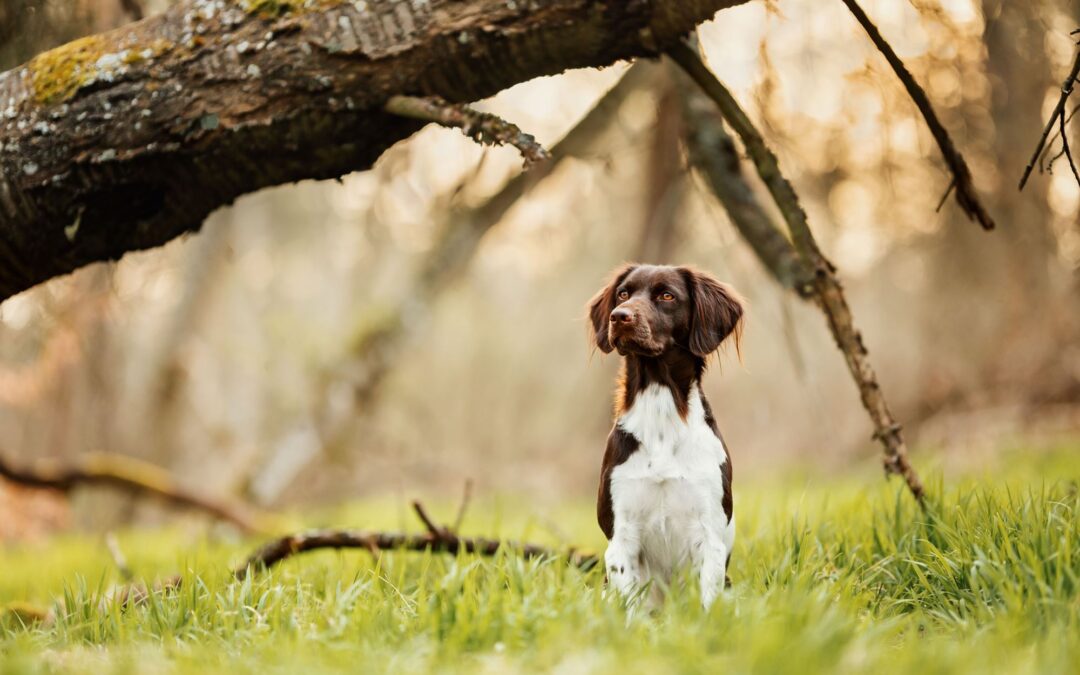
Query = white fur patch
x=667 y=497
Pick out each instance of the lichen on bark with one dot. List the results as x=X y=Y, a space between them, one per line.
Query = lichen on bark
x=57 y=75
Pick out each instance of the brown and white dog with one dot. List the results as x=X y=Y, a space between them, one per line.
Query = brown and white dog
x=665 y=485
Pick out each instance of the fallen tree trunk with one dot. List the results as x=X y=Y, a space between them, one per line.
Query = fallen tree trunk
x=122 y=141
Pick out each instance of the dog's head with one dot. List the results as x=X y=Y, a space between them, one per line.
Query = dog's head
x=650 y=310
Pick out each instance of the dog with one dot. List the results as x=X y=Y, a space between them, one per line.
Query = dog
x=665 y=497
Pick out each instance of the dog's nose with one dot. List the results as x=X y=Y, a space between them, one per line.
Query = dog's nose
x=622 y=315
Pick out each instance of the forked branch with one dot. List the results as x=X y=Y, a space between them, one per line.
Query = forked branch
x=436 y=538
x=1056 y=117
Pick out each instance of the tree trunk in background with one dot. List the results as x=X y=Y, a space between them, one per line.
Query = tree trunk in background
x=123 y=141
x=1020 y=79
x=663 y=174
x=1008 y=333
x=159 y=413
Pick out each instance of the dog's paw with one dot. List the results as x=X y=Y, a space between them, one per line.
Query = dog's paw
x=623 y=568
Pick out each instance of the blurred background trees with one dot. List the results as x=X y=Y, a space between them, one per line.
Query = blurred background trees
x=422 y=323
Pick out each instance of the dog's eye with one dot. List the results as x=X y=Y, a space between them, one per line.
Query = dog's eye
x=624 y=295
x=667 y=297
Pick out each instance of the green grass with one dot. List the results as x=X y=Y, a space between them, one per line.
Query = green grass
x=845 y=576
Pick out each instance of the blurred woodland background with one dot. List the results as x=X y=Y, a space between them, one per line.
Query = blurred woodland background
x=420 y=324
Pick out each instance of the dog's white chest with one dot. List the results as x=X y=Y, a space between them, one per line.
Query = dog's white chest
x=668 y=495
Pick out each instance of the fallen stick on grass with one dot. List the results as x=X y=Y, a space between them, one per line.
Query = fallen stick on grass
x=437 y=538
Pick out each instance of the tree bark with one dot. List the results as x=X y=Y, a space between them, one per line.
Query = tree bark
x=124 y=140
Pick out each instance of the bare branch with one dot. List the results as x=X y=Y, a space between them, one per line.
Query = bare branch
x=1059 y=111
x=434 y=530
x=1065 y=148
x=482 y=127
x=1049 y=168
x=134 y=476
x=274 y=552
x=714 y=152
x=966 y=194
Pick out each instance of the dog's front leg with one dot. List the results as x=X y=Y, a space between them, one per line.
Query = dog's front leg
x=623 y=561
x=713 y=570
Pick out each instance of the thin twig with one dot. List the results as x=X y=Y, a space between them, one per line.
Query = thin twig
x=1045 y=167
x=945 y=197
x=465 y=499
x=1049 y=168
x=966 y=195
x=1059 y=110
x=433 y=529
x=1065 y=149
x=130 y=475
x=482 y=127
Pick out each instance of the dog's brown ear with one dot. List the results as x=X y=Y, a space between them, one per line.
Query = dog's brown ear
x=602 y=304
x=716 y=312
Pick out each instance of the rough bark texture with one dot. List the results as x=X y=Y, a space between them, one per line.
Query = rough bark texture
x=123 y=141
